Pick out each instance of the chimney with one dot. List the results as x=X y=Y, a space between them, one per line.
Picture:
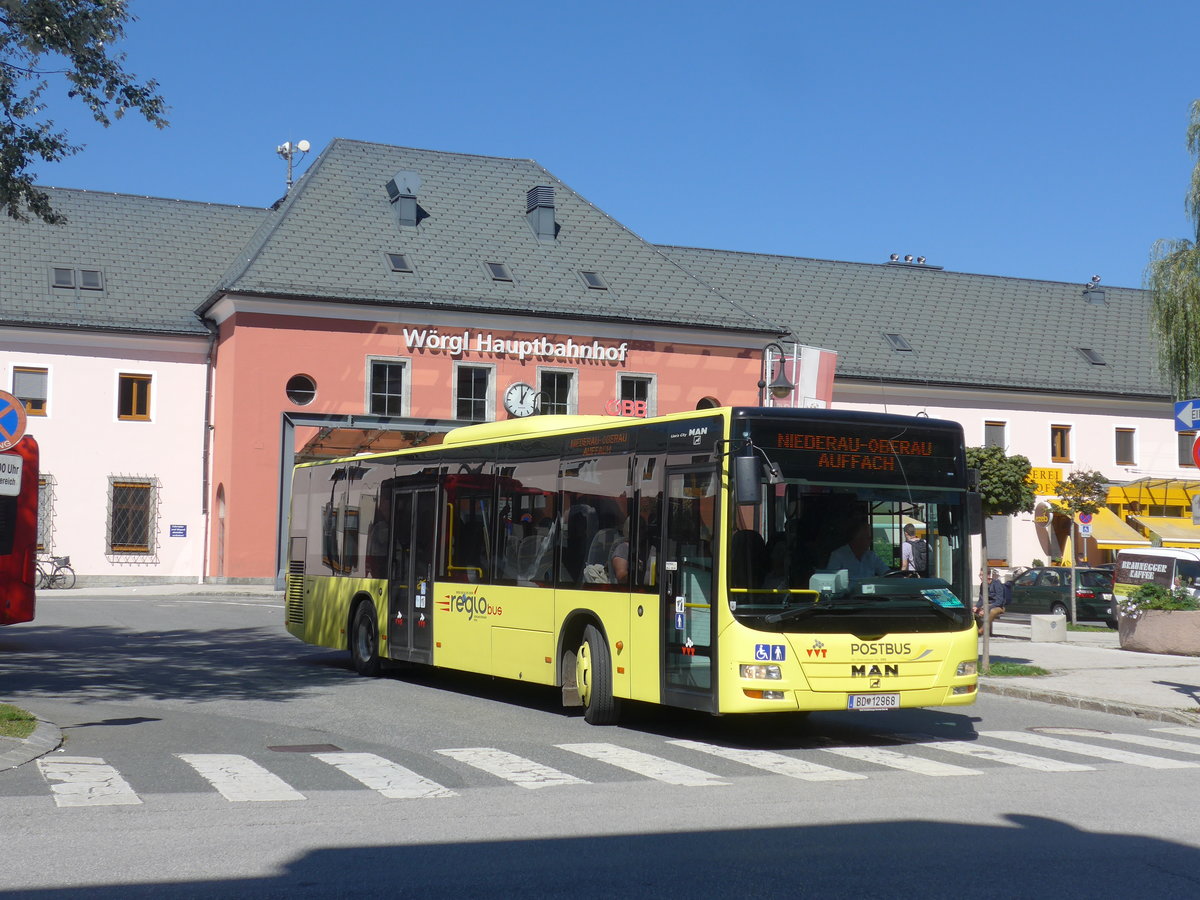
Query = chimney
x=402 y=192
x=539 y=209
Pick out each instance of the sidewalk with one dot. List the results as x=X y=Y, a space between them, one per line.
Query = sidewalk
x=1087 y=671
x=1090 y=671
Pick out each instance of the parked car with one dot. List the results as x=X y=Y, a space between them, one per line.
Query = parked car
x=1047 y=590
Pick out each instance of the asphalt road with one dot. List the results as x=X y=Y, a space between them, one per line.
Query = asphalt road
x=465 y=786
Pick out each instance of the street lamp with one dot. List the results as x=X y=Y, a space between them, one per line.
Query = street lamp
x=780 y=387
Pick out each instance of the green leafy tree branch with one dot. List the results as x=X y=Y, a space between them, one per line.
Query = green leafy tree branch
x=70 y=41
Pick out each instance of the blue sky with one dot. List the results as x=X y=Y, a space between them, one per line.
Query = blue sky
x=1038 y=140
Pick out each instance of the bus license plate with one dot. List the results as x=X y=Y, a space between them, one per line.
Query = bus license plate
x=873 y=701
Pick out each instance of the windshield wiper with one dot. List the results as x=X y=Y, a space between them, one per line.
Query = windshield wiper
x=800 y=612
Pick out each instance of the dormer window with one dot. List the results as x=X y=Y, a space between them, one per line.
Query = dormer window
x=498 y=271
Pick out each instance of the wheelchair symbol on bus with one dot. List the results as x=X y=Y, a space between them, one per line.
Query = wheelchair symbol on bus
x=770 y=652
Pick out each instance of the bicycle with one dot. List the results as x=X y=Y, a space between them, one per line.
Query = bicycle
x=55 y=572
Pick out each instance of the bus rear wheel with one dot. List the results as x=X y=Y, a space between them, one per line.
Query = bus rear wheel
x=364 y=641
x=593 y=678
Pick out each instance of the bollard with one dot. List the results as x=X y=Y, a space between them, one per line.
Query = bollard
x=1048 y=629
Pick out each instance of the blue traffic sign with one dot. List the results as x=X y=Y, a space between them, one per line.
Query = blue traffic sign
x=1187 y=415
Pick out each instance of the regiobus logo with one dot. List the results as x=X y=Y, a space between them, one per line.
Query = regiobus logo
x=470 y=603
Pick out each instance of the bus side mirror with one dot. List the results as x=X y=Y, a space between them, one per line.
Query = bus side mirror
x=974 y=504
x=747 y=476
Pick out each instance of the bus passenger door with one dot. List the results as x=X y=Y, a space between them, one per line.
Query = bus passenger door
x=688 y=566
x=410 y=584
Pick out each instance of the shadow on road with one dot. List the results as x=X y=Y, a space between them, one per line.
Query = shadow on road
x=1029 y=856
x=109 y=663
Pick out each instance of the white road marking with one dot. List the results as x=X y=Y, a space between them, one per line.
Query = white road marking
x=644 y=764
x=1181 y=729
x=773 y=762
x=511 y=767
x=382 y=775
x=1142 y=740
x=893 y=760
x=86 y=781
x=240 y=779
x=994 y=754
x=1111 y=754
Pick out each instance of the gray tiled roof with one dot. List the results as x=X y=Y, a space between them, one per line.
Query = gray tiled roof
x=158 y=258
x=976 y=330
x=329 y=239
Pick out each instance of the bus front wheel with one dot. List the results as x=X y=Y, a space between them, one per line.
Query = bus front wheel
x=364 y=641
x=593 y=677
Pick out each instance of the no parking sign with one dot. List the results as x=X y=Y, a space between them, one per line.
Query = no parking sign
x=12 y=420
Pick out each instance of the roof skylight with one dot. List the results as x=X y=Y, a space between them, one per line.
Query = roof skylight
x=898 y=343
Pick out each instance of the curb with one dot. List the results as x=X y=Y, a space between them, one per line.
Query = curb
x=1152 y=713
x=46 y=737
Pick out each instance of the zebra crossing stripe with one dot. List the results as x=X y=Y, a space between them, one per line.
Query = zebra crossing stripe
x=893 y=760
x=1142 y=740
x=994 y=754
x=86 y=781
x=1112 y=754
x=510 y=767
x=1181 y=729
x=644 y=764
x=240 y=779
x=390 y=779
x=775 y=763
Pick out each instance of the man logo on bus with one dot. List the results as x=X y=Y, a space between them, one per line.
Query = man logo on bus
x=470 y=603
x=873 y=671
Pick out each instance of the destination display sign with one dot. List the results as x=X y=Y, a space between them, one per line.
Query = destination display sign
x=861 y=452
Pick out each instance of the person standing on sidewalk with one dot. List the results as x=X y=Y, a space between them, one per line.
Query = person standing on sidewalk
x=997 y=599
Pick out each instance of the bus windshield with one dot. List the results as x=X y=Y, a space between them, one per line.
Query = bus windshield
x=864 y=560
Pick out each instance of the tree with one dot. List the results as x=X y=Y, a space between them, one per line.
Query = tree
x=1003 y=481
x=1004 y=489
x=1080 y=492
x=72 y=39
x=1173 y=278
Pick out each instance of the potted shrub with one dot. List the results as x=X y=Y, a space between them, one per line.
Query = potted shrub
x=1155 y=619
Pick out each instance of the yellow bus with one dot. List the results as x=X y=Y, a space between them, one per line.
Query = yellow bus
x=697 y=560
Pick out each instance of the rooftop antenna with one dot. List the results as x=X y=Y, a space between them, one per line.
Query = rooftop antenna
x=288 y=150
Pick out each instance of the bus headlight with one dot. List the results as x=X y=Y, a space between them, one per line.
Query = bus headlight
x=770 y=672
x=970 y=667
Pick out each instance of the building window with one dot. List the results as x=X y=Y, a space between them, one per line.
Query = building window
x=45 y=526
x=593 y=281
x=558 y=392
x=133 y=397
x=993 y=435
x=1124 y=448
x=131 y=514
x=1185 y=441
x=301 y=390
x=69 y=279
x=638 y=388
x=387 y=383
x=498 y=271
x=472 y=393
x=29 y=386
x=398 y=262
x=1060 y=443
